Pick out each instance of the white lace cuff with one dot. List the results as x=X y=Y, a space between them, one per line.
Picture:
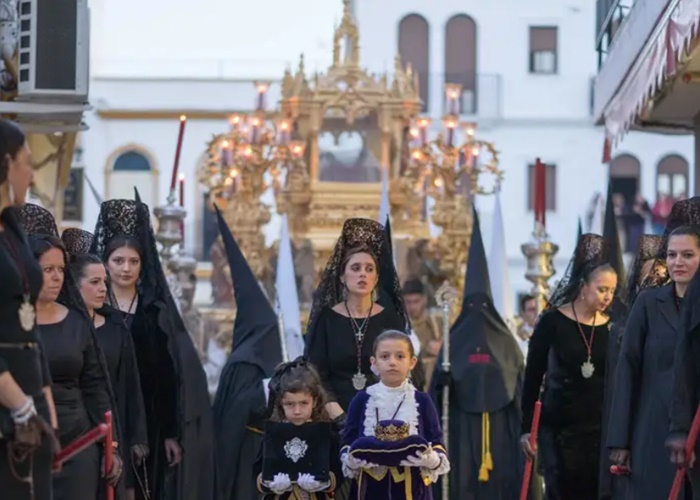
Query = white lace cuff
x=347 y=471
x=433 y=474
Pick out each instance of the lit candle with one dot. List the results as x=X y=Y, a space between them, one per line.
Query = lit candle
x=284 y=132
x=423 y=124
x=235 y=121
x=540 y=195
x=450 y=124
x=178 y=150
x=262 y=88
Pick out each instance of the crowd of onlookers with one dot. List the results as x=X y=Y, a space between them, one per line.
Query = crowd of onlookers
x=635 y=217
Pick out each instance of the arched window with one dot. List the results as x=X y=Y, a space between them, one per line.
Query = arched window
x=414 y=48
x=625 y=170
x=128 y=168
x=131 y=161
x=672 y=176
x=460 y=59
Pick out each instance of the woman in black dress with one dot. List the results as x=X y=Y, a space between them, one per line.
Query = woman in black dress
x=26 y=402
x=80 y=381
x=358 y=298
x=641 y=404
x=114 y=339
x=174 y=386
x=568 y=350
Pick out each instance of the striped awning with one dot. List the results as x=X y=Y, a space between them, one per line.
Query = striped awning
x=658 y=60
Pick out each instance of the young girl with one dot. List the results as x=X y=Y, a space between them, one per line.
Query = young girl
x=392 y=442
x=299 y=399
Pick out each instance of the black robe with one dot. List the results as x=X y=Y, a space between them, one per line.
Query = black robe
x=239 y=410
x=639 y=416
x=177 y=403
x=486 y=377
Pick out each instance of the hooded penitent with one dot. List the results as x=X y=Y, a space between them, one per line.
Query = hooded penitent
x=193 y=478
x=486 y=372
x=240 y=403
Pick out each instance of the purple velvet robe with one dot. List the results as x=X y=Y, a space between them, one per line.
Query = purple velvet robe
x=395 y=484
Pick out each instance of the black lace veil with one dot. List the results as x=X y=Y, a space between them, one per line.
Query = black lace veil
x=132 y=218
x=77 y=241
x=357 y=232
x=649 y=248
x=592 y=250
x=684 y=212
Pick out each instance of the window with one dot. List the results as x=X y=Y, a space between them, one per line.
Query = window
x=460 y=59
x=132 y=167
x=543 y=50
x=414 y=48
x=672 y=177
x=73 y=196
x=550 y=189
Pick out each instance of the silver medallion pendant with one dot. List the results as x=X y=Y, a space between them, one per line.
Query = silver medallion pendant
x=27 y=316
x=587 y=369
x=359 y=381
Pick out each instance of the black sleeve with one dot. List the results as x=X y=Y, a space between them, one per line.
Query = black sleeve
x=683 y=400
x=257 y=471
x=627 y=376
x=317 y=349
x=93 y=380
x=167 y=388
x=336 y=466
x=129 y=378
x=536 y=367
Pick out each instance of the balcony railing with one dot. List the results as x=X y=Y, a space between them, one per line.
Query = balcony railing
x=609 y=16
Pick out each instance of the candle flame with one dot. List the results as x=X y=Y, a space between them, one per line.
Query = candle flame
x=234 y=119
x=475 y=151
x=262 y=87
x=224 y=144
x=183 y=118
x=423 y=122
x=438 y=182
x=182 y=177
x=414 y=132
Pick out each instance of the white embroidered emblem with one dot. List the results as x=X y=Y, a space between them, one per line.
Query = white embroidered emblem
x=295 y=449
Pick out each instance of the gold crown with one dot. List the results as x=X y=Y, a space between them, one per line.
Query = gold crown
x=391 y=432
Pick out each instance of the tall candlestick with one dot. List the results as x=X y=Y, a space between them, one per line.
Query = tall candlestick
x=178 y=150
x=182 y=190
x=540 y=204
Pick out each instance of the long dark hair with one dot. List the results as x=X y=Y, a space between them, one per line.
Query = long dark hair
x=42 y=243
x=78 y=264
x=299 y=377
x=12 y=139
x=123 y=241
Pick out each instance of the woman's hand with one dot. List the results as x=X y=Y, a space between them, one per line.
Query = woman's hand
x=677 y=447
x=115 y=472
x=621 y=457
x=334 y=410
x=527 y=446
x=139 y=452
x=173 y=452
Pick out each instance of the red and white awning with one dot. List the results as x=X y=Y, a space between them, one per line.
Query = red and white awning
x=657 y=60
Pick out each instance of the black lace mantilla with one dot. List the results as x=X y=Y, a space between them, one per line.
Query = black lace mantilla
x=649 y=248
x=591 y=249
x=684 y=212
x=77 y=241
x=358 y=232
x=37 y=220
x=132 y=218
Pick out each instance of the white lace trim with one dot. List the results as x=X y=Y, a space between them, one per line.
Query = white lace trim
x=387 y=399
x=443 y=468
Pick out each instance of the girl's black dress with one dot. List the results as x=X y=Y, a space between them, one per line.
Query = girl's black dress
x=81 y=397
x=22 y=356
x=572 y=406
x=115 y=341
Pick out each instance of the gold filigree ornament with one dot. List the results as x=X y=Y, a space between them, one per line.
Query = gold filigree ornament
x=391 y=433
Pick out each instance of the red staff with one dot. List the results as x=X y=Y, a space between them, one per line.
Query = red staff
x=689 y=449
x=533 y=444
x=109 y=455
x=80 y=444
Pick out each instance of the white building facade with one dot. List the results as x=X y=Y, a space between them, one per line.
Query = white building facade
x=526 y=69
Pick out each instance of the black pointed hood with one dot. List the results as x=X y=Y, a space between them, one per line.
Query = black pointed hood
x=486 y=360
x=387 y=233
x=580 y=230
x=256 y=336
x=137 y=196
x=611 y=234
x=477 y=281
